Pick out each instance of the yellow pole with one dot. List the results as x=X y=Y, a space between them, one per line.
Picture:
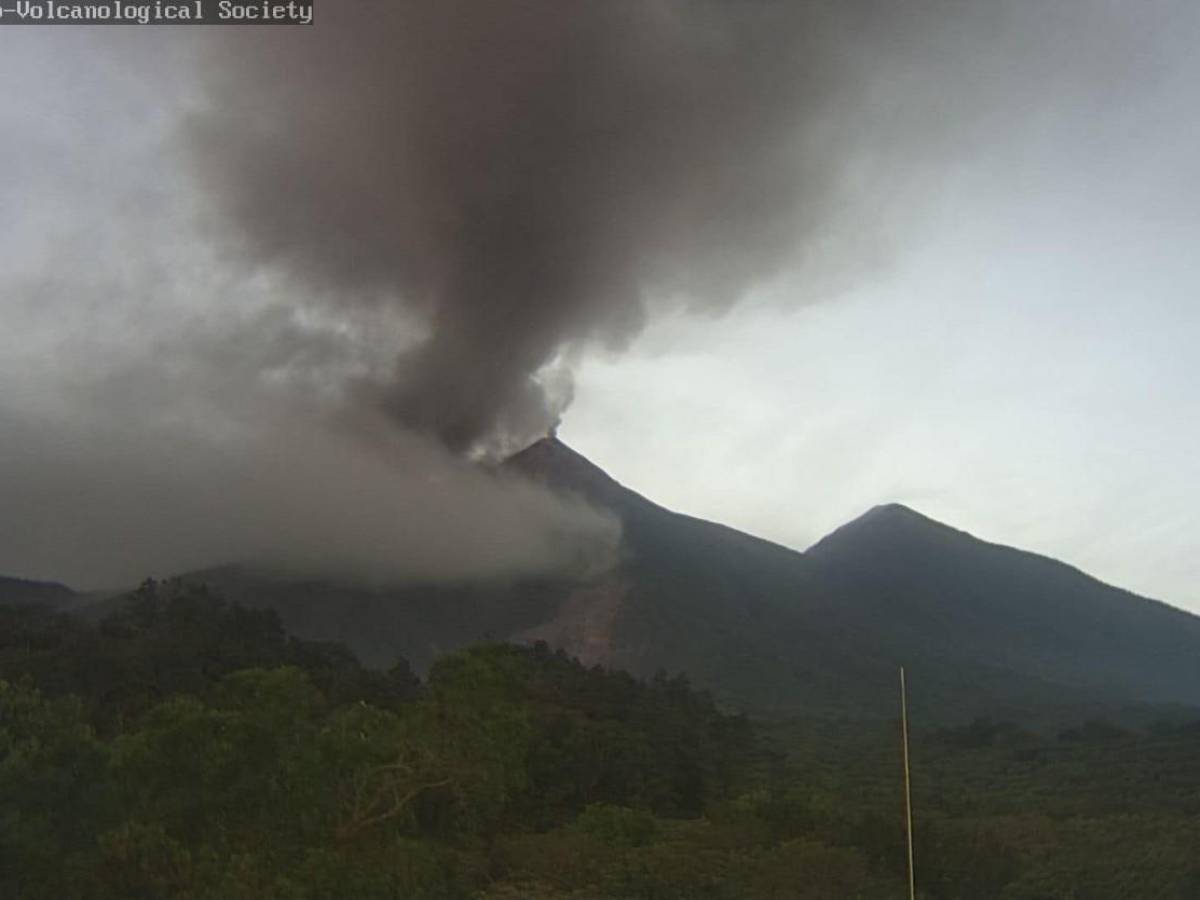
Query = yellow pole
x=912 y=882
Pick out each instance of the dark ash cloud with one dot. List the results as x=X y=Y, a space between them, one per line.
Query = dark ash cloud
x=100 y=504
x=523 y=174
x=427 y=211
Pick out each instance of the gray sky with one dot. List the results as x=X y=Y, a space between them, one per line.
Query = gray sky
x=993 y=319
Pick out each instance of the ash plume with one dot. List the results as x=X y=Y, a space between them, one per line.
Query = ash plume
x=521 y=175
x=427 y=212
x=98 y=504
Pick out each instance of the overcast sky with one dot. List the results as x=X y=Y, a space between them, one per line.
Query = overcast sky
x=1001 y=330
x=1025 y=367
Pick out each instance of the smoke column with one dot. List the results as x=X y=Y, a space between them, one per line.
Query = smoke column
x=415 y=216
x=520 y=175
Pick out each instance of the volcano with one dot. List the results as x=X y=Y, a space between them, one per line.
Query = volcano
x=982 y=629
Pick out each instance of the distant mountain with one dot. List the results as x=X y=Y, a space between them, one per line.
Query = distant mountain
x=941 y=595
x=981 y=629
x=20 y=591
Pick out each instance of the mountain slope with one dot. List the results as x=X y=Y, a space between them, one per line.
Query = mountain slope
x=21 y=591
x=981 y=629
x=741 y=615
x=823 y=633
x=940 y=593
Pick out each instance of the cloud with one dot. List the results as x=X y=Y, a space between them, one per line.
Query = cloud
x=230 y=248
x=522 y=176
x=98 y=503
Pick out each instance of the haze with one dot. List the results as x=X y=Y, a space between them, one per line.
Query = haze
x=950 y=265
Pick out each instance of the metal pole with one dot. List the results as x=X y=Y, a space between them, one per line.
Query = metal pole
x=912 y=882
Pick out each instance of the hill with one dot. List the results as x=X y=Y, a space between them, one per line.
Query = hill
x=21 y=591
x=939 y=594
x=981 y=629
x=184 y=747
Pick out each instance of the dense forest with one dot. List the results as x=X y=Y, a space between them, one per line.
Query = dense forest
x=186 y=747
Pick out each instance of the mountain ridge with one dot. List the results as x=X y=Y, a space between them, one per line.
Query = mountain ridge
x=17 y=591
x=895 y=585
x=982 y=629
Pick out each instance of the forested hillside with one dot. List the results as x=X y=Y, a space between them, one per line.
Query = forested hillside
x=21 y=591
x=186 y=747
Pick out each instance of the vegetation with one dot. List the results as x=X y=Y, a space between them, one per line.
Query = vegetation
x=188 y=748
